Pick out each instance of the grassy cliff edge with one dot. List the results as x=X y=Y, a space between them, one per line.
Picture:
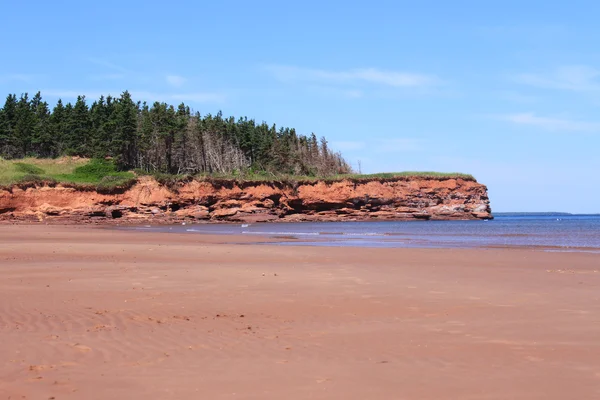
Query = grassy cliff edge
x=102 y=174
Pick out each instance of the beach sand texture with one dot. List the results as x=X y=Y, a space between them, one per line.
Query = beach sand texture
x=88 y=313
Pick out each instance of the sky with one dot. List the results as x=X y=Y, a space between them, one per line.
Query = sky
x=508 y=91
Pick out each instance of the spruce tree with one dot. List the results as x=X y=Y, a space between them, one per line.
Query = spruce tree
x=98 y=117
x=24 y=125
x=145 y=130
x=7 y=127
x=42 y=141
x=57 y=127
x=78 y=129
x=160 y=138
x=124 y=144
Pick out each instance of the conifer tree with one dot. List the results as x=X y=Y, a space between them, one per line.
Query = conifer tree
x=124 y=143
x=159 y=138
x=57 y=127
x=100 y=139
x=24 y=125
x=7 y=126
x=78 y=129
x=42 y=142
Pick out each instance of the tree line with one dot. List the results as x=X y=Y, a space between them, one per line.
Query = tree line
x=159 y=138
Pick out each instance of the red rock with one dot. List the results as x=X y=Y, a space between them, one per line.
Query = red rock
x=381 y=199
x=253 y=218
x=51 y=210
x=229 y=204
x=224 y=212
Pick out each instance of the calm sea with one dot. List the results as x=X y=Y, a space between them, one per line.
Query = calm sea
x=550 y=232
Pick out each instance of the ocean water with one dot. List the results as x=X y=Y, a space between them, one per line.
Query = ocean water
x=548 y=232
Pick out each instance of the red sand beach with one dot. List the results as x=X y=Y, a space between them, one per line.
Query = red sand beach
x=88 y=313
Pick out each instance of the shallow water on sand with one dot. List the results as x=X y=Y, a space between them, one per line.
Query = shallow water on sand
x=550 y=232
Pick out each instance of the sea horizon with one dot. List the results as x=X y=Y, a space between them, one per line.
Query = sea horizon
x=544 y=231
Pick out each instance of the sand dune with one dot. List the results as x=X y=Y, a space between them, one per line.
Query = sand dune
x=94 y=314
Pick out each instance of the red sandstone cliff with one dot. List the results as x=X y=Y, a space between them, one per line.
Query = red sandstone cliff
x=148 y=201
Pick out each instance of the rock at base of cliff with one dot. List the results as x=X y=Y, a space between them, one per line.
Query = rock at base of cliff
x=255 y=217
x=224 y=213
x=51 y=210
x=483 y=215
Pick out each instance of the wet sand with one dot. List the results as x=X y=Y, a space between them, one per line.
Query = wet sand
x=88 y=313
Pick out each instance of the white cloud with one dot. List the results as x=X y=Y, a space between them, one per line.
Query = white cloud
x=150 y=97
x=335 y=91
x=196 y=97
x=517 y=97
x=107 y=77
x=353 y=76
x=27 y=78
x=72 y=94
x=575 y=78
x=398 y=145
x=552 y=123
x=175 y=80
x=347 y=145
x=108 y=64
x=530 y=32
x=199 y=97
x=377 y=146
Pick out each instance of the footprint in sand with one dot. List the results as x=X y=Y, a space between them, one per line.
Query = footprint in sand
x=534 y=359
x=323 y=380
x=100 y=327
x=82 y=348
x=37 y=368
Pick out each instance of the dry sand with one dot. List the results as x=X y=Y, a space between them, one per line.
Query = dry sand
x=96 y=314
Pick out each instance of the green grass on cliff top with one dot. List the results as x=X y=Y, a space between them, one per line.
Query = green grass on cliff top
x=416 y=174
x=382 y=175
x=99 y=174
x=13 y=171
x=102 y=174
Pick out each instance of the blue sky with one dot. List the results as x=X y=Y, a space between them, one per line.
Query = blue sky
x=507 y=92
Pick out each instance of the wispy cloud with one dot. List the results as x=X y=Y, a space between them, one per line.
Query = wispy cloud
x=175 y=80
x=169 y=97
x=72 y=94
x=530 y=32
x=517 y=97
x=346 y=93
x=348 y=145
x=398 y=145
x=197 y=97
x=375 y=145
x=552 y=123
x=371 y=76
x=27 y=78
x=107 y=64
x=107 y=77
x=574 y=78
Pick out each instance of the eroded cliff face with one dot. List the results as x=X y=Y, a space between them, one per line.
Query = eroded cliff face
x=228 y=201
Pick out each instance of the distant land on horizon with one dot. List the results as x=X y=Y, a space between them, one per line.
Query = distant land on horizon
x=542 y=213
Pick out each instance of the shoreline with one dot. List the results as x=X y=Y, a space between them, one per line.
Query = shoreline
x=88 y=312
x=351 y=239
x=310 y=240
